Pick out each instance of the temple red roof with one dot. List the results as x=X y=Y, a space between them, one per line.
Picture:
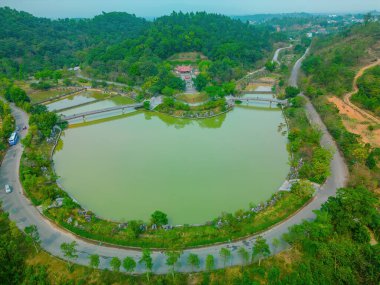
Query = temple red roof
x=184 y=69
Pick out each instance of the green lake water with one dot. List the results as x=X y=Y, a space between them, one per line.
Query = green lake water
x=193 y=170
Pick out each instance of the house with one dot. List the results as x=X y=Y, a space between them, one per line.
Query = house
x=184 y=69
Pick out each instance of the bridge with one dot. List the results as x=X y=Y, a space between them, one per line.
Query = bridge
x=104 y=110
x=256 y=92
x=259 y=99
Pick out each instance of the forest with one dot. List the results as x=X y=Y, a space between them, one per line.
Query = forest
x=29 y=44
x=122 y=47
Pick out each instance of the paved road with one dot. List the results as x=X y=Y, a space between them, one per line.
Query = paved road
x=24 y=213
x=277 y=53
x=275 y=59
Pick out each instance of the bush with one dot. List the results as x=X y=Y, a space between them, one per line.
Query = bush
x=291 y=92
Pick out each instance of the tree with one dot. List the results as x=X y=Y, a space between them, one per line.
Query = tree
x=33 y=236
x=291 y=92
x=302 y=188
x=193 y=261
x=159 y=218
x=210 y=262
x=167 y=91
x=172 y=260
x=260 y=249
x=70 y=252
x=146 y=105
x=229 y=88
x=200 y=82
x=45 y=121
x=94 y=261
x=244 y=255
x=129 y=264
x=146 y=259
x=225 y=254
x=276 y=243
x=17 y=95
x=115 y=264
x=270 y=65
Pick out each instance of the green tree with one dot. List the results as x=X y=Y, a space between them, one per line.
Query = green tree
x=33 y=236
x=115 y=264
x=210 y=262
x=291 y=92
x=193 y=261
x=244 y=255
x=276 y=243
x=94 y=261
x=172 y=260
x=270 y=65
x=147 y=105
x=70 y=252
x=260 y=249
x=302 y=188
x=129 y=264
x=146 y=259
x=159 y=218
x=200 y=82
x=225 y=254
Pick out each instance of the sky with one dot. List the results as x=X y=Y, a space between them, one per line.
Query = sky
x=155 y=8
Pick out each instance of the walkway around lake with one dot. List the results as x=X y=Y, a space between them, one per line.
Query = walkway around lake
x=23 y=213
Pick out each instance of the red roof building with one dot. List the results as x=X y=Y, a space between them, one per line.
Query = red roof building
x=184 y=69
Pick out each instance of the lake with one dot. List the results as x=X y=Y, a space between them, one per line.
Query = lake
x=193 y=170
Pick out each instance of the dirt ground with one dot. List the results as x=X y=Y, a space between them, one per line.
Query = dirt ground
x=355 y=119
x=263 y=81
x=347 y=97
x=356 y=123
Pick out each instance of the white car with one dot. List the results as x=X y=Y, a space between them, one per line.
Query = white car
x=8 y=189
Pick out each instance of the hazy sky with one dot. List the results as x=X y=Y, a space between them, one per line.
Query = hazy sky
x=149 y=8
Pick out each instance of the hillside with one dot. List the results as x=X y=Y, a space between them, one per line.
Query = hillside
x=334 y=59
x=122 y=47
x=330 y=70
x=231 y=45
x=369 y=90
x=29 y=44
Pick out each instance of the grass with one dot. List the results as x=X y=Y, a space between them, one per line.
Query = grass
x=186 y=236
x=122 y=100
x=187 y=57
x=38 y=96
x=193 y=98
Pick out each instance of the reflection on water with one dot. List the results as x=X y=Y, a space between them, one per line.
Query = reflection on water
x=192 y=170
x=179 y=123
x=69 y=102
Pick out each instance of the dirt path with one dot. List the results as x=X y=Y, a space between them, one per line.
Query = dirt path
x=356 y=123
x=355 y=119
x=347 y=97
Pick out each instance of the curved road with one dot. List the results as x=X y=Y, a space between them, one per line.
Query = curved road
x=23 y=213
x=277 y=53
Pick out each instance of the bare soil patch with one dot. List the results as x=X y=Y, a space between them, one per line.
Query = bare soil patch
x=355 y=122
